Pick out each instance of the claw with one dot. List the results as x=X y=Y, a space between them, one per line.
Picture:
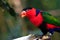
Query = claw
x=45 y=37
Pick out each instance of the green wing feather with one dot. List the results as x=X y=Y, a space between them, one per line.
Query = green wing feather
x=50 y=19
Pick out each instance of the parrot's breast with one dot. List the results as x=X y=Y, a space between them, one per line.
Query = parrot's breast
x=36 y=20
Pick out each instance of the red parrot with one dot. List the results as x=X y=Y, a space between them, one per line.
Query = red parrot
x=42 y=20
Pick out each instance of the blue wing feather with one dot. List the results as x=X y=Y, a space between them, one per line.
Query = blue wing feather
x=37 y=11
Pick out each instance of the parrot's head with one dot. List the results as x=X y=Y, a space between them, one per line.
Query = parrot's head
x=24 y=12
x=28 y=12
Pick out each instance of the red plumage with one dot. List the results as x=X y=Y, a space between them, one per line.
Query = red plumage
x=38 y=21
x=35 y=20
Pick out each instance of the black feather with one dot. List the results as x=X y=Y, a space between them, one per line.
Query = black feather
x=43 y=28
x=27 y=8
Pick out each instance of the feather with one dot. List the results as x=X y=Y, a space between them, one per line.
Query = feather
x=37 y=11
x=50 y=19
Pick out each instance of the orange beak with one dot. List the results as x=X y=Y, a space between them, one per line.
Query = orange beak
x=23 y=14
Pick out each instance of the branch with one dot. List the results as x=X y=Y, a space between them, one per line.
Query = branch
x=7 y=7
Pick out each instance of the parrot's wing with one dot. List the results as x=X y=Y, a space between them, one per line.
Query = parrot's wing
x=50 y=19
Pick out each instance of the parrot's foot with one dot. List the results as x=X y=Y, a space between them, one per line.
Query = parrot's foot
x=43 y=37
x=46 y=37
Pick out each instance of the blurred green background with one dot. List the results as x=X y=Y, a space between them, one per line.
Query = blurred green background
x=11 y=27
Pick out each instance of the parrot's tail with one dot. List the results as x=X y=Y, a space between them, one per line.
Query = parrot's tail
x=57 y=29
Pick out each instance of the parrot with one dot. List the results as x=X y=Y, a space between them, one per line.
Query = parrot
x=42 y=20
